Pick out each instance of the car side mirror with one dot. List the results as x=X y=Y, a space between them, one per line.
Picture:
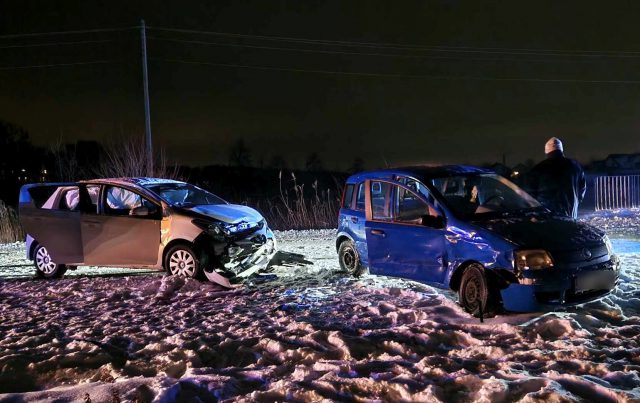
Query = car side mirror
x=141 y=211
x=431 y=221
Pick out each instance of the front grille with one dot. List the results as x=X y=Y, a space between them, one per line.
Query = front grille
x=578 y=255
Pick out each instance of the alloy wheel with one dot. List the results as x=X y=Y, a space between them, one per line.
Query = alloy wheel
x=182 y=263
x=44 y=262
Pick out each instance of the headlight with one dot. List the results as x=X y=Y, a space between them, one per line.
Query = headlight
x=533 y=259
x=608 y=244
x=214 y=228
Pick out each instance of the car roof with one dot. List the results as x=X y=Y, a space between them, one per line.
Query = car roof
x=136 y=181
x=422 y=172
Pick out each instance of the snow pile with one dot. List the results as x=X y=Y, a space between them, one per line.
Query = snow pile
x=305 y=333
x=617 y=223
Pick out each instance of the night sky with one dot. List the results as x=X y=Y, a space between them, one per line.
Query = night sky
x=404 y=105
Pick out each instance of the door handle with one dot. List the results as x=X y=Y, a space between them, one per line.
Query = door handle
x=378 y=232
x=354 y=220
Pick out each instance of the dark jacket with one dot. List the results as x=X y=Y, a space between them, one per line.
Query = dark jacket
x=558 y=183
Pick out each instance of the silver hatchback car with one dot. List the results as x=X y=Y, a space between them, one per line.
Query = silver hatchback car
x=143 y=222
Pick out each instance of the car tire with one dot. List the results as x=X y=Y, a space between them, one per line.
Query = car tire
x=475 y=294
x=45 y=267
x=181 y=260
x=350 y=259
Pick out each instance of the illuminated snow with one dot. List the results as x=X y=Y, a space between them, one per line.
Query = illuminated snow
x=304 y=333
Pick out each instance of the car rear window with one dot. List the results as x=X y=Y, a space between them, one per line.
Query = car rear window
x=347 y=198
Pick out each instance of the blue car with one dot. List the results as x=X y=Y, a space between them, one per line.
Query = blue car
x=474 y=232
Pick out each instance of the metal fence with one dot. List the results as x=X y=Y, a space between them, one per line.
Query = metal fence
x=617 y=192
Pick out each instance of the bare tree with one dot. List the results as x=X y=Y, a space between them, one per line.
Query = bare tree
x=278 y=162
x=65 y=161
x=128 y=158
x=357 y=165
x=240 y=155
x=313 y=163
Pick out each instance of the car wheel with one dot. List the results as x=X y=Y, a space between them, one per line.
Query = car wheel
x=474 y=293
x=45 y=267
x=181 y=260
x=350 y=259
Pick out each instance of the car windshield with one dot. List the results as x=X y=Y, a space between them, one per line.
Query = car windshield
x=184 y=194
x=484 y=195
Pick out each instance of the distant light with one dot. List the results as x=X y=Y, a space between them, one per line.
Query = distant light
x=24 y=170
x=44 y=171
x=516 y=173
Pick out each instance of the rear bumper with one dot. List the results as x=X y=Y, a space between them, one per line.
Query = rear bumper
x=554 y=288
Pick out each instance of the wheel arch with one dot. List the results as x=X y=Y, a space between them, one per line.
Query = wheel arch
x=174 y=242
x=32 y=249
x=456 y=276
x=341 y=238
x=496 y=277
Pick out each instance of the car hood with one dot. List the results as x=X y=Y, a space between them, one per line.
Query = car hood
x=228 y=213
x=550 y=233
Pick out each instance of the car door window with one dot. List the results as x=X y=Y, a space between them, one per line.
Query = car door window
x=409 y=207
x=64 y=198
x=381 y=200
x=360 y=200
x=122 y=202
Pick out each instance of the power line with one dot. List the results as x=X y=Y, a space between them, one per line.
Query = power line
x=84 y=31
x=392 y=75
x=452 y=49
x=434 y=48
x=34 y=45
x=38 y=66
x=348 y=53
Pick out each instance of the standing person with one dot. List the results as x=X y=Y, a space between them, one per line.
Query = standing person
x=558 y=182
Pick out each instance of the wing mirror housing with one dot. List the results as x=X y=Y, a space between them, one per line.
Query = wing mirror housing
x=431 y=221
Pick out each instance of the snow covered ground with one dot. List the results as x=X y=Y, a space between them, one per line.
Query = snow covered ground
x=306 y=333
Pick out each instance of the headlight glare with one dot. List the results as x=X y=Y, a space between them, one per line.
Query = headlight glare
x=533 y=259
x=608 y=244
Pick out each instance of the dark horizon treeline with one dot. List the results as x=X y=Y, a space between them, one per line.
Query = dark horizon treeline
x=241 y=181
x=245 y=179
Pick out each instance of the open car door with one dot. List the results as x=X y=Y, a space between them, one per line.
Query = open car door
x=405 y=233
x=124 y=231
x=50 y=214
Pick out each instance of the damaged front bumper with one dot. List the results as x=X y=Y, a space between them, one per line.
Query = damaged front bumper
x=548 y=289
x=232 y=257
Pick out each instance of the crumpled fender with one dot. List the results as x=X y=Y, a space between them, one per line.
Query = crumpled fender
x=476 y=244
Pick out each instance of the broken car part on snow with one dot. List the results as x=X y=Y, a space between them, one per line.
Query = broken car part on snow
x=143 y=222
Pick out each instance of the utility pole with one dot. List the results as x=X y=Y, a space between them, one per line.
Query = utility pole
x=147 y=112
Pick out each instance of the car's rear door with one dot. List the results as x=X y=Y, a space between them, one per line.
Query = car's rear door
x=112 y=236
x=352 y=217
x=50 y=214
x=399 y=244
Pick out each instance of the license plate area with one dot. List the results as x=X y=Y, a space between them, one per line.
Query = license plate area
x=595 y=280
